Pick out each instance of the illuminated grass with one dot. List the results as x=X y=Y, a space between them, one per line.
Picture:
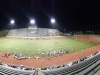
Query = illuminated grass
x=35 y=46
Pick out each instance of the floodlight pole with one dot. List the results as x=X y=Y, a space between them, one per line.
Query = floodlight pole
x=32 y=22
x=12 y=22
x=12 y=26
x=53 y=25
x=53 y=21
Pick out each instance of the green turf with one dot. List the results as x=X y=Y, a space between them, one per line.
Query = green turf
x=35 y=46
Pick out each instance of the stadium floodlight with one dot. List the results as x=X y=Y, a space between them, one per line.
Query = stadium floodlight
x=32 y=21
x=12 y=22
x=53 y=21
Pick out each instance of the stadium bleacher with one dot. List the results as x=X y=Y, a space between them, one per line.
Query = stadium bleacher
x=53 y=32
x=87 y=67
x=21 y=32
x=12 y=32
x=98 y=73
x=42 y=31
x=11 y=71
x=34 y=32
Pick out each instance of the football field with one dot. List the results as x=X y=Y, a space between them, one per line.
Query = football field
x=34 y=46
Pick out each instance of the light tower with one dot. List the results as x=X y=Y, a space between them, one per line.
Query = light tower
x=53 y=21
x=12 y=22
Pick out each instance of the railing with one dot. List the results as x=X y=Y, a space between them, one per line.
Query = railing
x=11 y=71
x=82 y=68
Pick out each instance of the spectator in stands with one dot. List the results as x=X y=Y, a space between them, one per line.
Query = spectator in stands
x=48 y=68
x=21 y=67
x=1 y=63
x=13 y=66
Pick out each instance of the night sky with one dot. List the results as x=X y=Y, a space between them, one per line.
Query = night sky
x=69 y=14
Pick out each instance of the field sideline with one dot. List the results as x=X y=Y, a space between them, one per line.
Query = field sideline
x=34 y=46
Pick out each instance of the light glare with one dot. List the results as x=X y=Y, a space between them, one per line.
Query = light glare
x=12 y=21
x=52 y=20
x=32 y=21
